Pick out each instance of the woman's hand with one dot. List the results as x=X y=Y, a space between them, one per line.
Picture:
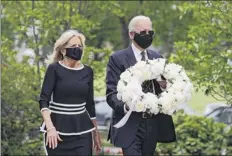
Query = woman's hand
x=52 y=137
x=97 y=142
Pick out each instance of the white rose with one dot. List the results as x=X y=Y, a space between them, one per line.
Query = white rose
x=126 y=97
x=175 y=66
x=179 y=78
x=166 y=101
x=120 y=86
x=134 y=88
x=167 y=105
x=171 y=90
x=147 y=74
x=178 y=86
x=180 y=98
x=158 y=61
x=172 y=70
x=119 y=96
x=138 y=74
x=161 y=99
x=188 y=92
x=154 y=109
x=157 y=67
x=184 y=75
x=139 y=66
x=140 y=107
x=188 y=87
x=156 y=71
x=125 y=76
x=169 y=112
x=173 y=74
x=142 y=71
x=134 y=80
x=149 y=99
x=163 y=94
x=188 y=97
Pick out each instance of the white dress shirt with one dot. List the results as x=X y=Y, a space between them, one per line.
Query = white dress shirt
x=137 y=53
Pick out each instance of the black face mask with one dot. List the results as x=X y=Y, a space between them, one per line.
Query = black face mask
x=74 y=53
x=144 y=40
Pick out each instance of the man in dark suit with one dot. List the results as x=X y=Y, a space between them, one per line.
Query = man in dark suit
x=142 y=131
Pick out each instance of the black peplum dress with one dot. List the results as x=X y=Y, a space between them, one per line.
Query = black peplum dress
x=68 y=94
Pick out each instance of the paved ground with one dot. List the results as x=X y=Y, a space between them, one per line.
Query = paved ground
x=112 y=151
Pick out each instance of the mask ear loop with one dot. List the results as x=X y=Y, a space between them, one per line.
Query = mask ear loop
x=82 y=48
x=62 y=55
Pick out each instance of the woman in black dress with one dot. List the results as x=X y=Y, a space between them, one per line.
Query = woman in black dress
x=66 y=100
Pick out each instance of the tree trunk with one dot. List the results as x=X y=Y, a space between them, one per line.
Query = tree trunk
x=124 y=32
x=36 y=49
x=170 y=42
x=70 y=15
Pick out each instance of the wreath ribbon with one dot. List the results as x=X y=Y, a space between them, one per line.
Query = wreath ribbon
x=123 y=121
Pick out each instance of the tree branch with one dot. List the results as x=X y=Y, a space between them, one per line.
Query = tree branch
x=224 y=13
x=70 y=14
x=215 y=92
x=79 y=7
x=124 y=32
x=36 y=45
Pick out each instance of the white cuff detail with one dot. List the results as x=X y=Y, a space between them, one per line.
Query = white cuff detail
x=92 y=118
x=45 y=109
x=125 y=111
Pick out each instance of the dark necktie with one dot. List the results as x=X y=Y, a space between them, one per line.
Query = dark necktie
x=147 y=86
x=143 y=56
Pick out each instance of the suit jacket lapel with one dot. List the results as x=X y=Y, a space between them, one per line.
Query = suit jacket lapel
x=149 y=55
x=130 y=56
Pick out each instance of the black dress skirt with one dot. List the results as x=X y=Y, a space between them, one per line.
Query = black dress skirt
x=80 y=145
x=68 y=94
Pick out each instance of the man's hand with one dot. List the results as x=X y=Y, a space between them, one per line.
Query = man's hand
x=127 y=107
x=163 y=84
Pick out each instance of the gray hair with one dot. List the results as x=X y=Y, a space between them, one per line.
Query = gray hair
x=135 y=20
x=60 y=44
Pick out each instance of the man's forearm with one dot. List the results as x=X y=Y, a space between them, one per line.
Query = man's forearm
x=115 y=104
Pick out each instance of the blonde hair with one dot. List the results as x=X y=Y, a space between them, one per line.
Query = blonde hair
x=135 y=20
x=61 y=43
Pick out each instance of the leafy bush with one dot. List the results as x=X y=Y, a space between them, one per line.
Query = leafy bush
x=197 y=135
x=20 y=115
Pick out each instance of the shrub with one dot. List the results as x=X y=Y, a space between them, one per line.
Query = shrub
x=197 y=135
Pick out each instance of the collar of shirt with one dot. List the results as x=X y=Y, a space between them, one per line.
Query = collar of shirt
x=137 y=53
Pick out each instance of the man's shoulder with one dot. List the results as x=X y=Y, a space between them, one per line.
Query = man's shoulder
x=119 y=53
x=155 y=53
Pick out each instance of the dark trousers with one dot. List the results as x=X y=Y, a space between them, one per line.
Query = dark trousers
x=80 y=145
x=145 y=142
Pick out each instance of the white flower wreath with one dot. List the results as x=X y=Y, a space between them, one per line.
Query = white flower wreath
x=177 y=92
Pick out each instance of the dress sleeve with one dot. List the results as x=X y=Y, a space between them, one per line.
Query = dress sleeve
x=90 y=104
x=47 y=87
